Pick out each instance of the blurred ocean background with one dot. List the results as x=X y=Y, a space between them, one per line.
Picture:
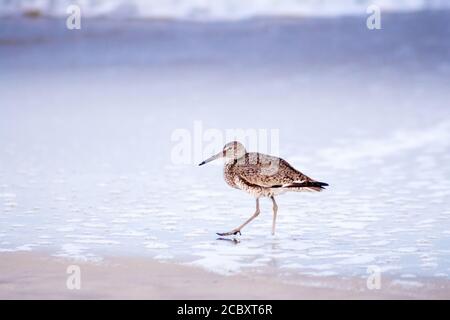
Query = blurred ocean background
x=87 y=117
x=212 y=10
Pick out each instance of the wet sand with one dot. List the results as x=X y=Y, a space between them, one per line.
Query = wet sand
x=39 y=276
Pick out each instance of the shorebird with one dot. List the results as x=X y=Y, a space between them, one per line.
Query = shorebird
x=261 y=175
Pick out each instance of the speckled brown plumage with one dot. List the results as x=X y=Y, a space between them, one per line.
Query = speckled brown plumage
x=261 y=175
x=265 y=176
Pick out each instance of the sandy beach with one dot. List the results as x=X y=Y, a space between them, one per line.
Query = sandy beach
x=39 y=276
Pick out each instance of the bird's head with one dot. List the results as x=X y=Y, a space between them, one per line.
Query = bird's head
x=232 y=150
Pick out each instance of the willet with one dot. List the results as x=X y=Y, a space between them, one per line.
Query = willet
x=261 y=175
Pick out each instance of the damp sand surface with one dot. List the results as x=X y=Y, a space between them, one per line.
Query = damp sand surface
x=39 y=276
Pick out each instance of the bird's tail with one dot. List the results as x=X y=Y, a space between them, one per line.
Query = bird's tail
x=307 y=186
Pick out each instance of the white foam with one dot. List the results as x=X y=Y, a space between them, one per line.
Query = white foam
x=380 y=243
x=197 y=207
x=164 y=257
x=97 y=241
x=25 y=247
x=407 y=283
x=155 y=245
x=129 y=233
x=408 y=276
x=407 y=249
x=94 y=225
x=349 y=225
x=326 y=273
x=77 y=252
x=348 y=157
x=8 y=195
x=217 y=263
x=65 y=229
x=358 y=260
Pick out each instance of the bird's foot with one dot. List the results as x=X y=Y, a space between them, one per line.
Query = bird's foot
x=231 y=233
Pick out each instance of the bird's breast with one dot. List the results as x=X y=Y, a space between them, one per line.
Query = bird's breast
x=229 y=175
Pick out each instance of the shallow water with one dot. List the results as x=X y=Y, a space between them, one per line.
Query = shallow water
x=86 y=121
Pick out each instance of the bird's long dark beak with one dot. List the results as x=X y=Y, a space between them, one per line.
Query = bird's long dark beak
x=214 y=157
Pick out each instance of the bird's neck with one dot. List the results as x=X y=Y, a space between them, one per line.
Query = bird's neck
x=235 y=160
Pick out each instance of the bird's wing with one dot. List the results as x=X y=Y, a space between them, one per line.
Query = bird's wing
x=268 y=172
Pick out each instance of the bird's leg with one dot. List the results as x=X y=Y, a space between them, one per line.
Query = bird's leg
x=275 y=210
x=238 y=229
